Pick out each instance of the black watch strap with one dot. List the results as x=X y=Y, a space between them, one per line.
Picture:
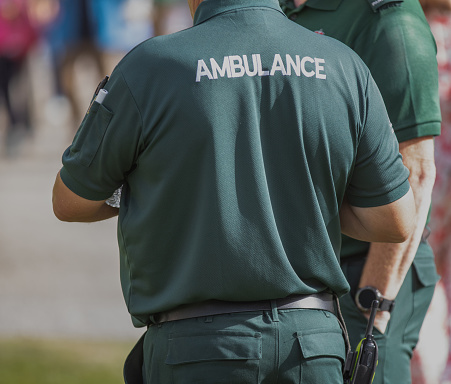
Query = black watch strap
x=366 y=295
x=386 y=305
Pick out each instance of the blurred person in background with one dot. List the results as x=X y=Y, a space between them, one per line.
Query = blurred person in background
x=160 y=14
x=163 y=11
x=431 y=358
x=17 y=37
x=71 y=36
x=91 y=36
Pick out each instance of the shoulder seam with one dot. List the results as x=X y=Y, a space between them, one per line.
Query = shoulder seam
x=378 y=5
x=134 y=101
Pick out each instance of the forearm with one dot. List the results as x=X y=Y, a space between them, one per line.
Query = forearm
x=387 y=264
x=103 y=212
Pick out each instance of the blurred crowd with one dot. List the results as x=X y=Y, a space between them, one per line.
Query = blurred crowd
x=75 y=34
x=432 y=359
x=65 y=33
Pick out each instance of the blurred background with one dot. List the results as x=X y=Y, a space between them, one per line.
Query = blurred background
x=62 y=315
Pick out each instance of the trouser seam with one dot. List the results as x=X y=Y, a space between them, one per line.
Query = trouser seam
x=276 y=347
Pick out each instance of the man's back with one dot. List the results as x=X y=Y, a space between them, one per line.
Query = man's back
x=238 y=154
x=235 y=142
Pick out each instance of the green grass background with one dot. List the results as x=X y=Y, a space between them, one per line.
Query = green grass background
x=29 y=361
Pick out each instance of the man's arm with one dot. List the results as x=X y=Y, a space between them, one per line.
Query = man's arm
x=387 y=264
x=68 y=206
x=390 y=223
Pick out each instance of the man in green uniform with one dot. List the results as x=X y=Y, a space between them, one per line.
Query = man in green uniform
x=235 y=147
x=394 y=40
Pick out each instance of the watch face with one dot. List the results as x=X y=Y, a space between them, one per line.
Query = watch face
x=366 y=298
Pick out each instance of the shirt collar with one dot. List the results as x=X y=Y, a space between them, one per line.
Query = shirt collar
x=210 y=8
x=322 y=5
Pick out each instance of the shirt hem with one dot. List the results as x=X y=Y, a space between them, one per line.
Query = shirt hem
x=390 y=197
x=419 y=130
x=79 y=189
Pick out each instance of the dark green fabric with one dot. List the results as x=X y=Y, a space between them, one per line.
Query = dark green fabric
x=397 y=45
x=133 y=367
x=397 y=344
x=299 y=346
x=378 y=5
x=235 y=141
x=223 y=345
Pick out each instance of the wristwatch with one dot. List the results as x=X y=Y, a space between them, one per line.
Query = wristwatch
x=365 y=297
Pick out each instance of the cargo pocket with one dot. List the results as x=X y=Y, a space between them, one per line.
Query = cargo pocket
x=219 y=357
x=91 y=132
x=424 y=265
x=323 y=353
x=424 y=279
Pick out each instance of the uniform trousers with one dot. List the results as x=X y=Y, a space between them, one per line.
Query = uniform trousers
x=279 y=346
x=401 y=336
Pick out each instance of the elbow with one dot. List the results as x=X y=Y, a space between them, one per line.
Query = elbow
x=422 y=179
x=415 y=201
x=402 y=234
x=61 y=215
x=61 y=212
x=410 y=226
x=428 y=176
x=404 y=222
x=432 y=173
x=396 y=233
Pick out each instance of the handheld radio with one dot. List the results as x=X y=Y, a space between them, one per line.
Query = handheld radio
x=360 y=365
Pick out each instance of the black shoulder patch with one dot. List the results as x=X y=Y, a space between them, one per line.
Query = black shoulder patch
x=377 y=5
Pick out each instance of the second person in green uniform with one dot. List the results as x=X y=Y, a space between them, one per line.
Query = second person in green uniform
x=394 y=40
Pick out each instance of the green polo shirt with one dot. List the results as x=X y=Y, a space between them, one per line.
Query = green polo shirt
x=394 y=40
x=235 y=141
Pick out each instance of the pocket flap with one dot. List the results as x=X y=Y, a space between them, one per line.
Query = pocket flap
x=223 y=345
x=321 y=342
x=424 y=265
x=91 y=132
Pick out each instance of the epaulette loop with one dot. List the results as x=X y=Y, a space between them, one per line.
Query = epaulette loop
x=377 y=5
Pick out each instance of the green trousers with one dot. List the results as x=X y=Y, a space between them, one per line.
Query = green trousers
x=279 y=346
x=401 y=336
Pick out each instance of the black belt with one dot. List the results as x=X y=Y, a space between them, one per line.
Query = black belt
x=324 y=301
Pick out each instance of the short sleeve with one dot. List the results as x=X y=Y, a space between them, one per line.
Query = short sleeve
x=400 y=51
x=106 y=145
x=379 y=176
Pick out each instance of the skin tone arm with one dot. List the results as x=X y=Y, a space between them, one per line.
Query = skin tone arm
x=387 y=264
x=68 y=206
x=371 y=224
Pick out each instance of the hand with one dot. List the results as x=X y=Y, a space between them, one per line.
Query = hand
x=380 y=321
